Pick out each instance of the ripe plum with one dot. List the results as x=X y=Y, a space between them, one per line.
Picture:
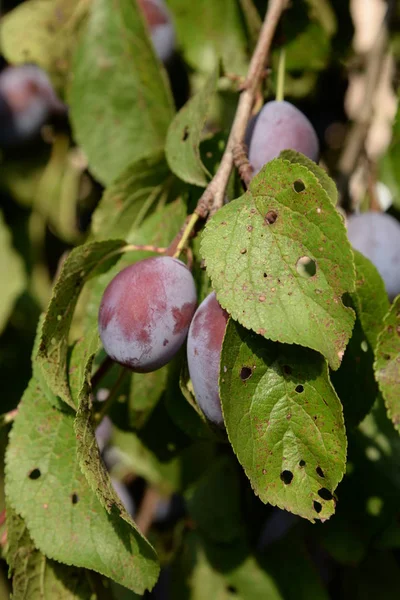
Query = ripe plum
x=146 y=311
x=280 y=126
x=377 y=236
x=204 y=344
x=161 y=27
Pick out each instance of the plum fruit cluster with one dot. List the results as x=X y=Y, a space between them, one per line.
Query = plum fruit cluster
x=145 y=315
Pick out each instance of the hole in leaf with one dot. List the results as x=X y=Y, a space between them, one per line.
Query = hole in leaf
x=306 y=267
x=299 y=389
x=302 y=463
x=185 y=134
x=34 y=474
x=287 y=477
x=320 y=472
x=231 y=589
x=299 y=186
x=246 y=373
x=74 y=498
x=317 y=506
x=271 y=217
x=325 y=494
x=265 y=275
x=364 y=346
x=287 y=370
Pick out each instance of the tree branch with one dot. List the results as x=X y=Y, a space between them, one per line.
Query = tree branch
x=213 y=197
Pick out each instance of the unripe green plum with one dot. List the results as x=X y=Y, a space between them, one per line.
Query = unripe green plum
x=204 y=345
x=145 y=313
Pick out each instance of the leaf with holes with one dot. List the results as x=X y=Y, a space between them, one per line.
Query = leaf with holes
x=370 y=298
x=284 y=421
x=120 y=101
x=387 y=363
x=280 y=261
x=327 y=183
x=65 y=519
x=36 y=577
x=185 y=134
x=83 y=263
x=80 y=355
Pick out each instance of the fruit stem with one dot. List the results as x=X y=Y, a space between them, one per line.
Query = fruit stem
x=186 y=234
x=280 y=85
x=213 y=197
x=112 y=397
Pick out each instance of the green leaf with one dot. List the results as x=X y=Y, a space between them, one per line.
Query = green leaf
x=208 y=31
x=128 y=201
x=65 y=519
x=387 y=364
x=185 y=134
x=81 y=354
x=83 y=263
x=370 y=298
x=254 y=248
x=284 y=421
x=217 y=519
x=12 y=274
x=120 y=102
x=327 y=183
x=42 y=32
x=36 y=577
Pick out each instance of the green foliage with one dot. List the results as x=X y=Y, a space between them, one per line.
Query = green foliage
x=116 y=119
x=184 y=136
x=387 y=364
x=45 y=486
x=254 y=247
x=284 y=422
x=297 y=496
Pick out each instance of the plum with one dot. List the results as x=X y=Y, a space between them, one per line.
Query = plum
x=146 y=311
x=280 y=126
x=204 y=344
x=161 y=27
x=377 y=236
x=27 y=100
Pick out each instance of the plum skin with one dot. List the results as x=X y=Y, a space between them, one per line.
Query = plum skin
x=377 y=236
x=280 y=126
x=161 y=28
x=27 y=100
x=204 y=344
x=146 y=311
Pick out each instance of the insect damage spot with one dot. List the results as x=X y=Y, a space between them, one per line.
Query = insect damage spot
x=271 y=217
x=185 y=134
x=325 y=494
x=302 y=463
x=286 y=477
x=299 y=186
x=246 y=373
x=306 y=267
x=34 y=474
x=320 y=472
x=317 y=506
x=299 y=389
x=74 y=498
